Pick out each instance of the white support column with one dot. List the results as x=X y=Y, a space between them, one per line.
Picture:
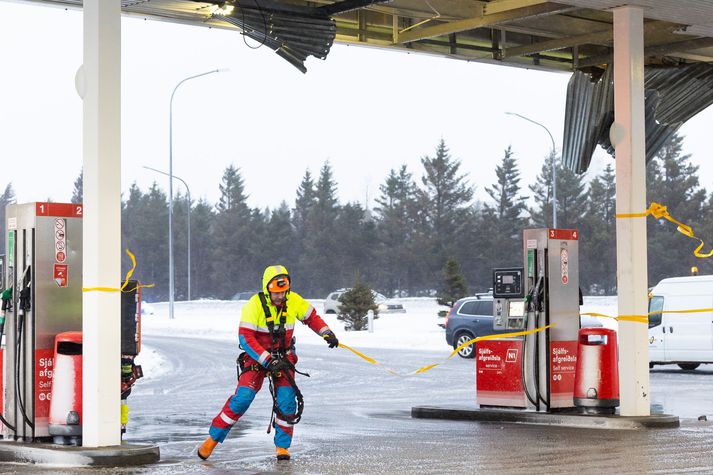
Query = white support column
x=99 y=84
x=628 y=138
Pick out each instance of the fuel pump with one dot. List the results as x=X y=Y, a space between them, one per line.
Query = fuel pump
x=535 y=371
x=43 y=299
x=43 y=274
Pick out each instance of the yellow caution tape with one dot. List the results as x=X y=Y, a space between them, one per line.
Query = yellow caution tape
x=691 y=310
x=126 y=281
x=645 y=318
x=423 y=369
x=659 y=211
x=633 y=318
x=621 y=318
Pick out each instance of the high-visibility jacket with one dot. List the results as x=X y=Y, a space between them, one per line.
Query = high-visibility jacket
x=254 y=334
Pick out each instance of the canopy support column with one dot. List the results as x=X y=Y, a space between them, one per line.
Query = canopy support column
x=99 y=84
x=628 y=137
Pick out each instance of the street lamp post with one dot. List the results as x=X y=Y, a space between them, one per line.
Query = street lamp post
x=188 y=192
x=170 y=189
x=554 y=168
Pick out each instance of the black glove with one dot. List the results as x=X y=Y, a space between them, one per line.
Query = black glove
x=330 y=338
x=278 y=364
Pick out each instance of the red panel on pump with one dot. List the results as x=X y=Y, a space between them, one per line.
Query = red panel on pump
x=44 y=363
x=564 y=234
x=499 y=373
x=2 y=389
x=563 y=365
x=62 y=210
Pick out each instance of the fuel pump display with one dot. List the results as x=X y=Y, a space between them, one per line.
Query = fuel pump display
x=535 y=371
x=509 y=308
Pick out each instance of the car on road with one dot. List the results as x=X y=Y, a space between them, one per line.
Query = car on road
x=469 y=317
x=332 y=303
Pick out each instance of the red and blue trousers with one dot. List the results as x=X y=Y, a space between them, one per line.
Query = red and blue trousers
x=249 y=385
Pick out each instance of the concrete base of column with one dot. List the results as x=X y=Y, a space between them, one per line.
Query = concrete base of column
x=123 y=455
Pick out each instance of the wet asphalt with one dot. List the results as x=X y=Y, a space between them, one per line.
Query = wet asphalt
x=357 y=421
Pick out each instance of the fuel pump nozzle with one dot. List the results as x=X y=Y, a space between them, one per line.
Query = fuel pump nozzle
x=6 y=297
x=24 y=303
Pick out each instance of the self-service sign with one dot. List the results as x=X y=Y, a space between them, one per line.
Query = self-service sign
x=499 y=373
x=44 y=366
x=563 y=365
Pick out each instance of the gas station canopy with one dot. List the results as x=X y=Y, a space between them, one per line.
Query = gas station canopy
x=567 y=35
x=577 y=36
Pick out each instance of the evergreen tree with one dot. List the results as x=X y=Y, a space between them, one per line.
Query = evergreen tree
x=395 y=211
x=180 y=246
x=233 y=237
x=203 y=279
x=355 y=305
x=705 y=266
x=570 y=198
x=355 y=236
x=306 y=198
x=505 y=219
x=320 y=246
x=454 y=286
x=78 y=192
x=597 y=250
x=541 y=213
x=477 y=248
x=281 y=236
x=672 y=182
x=6 y=198
x=144 y=226
x=444 y=199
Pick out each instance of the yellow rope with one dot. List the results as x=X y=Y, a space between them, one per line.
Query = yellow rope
x=645 y=318
x=126 y=280
x=423 y=369
x=659 y=211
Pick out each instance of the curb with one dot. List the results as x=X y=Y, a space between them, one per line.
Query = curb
x=114 y=456
x=561 y=419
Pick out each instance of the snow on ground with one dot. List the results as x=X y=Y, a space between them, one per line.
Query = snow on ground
x=153 y=363
x=218 y=319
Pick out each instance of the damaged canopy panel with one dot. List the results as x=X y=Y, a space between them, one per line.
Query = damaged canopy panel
x=294 y=32
x=673 y=95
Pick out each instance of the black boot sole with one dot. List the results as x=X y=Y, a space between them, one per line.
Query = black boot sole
x=283 y=457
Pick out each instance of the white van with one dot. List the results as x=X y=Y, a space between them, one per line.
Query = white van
x=682 y=338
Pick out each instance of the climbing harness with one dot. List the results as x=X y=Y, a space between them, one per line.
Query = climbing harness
x=278 y=350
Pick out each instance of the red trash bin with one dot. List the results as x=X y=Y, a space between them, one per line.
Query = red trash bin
x=65 y=420
x=596 y=381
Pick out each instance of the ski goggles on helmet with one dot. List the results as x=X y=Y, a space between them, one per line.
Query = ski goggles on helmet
x=281 y=283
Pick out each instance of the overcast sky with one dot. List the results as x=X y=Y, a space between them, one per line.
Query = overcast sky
x=364 y=110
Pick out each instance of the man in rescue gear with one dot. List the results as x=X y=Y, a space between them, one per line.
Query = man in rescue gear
x=266 y=327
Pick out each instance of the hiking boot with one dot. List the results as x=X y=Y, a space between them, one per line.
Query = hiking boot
x=206 y=448
x=282 y=454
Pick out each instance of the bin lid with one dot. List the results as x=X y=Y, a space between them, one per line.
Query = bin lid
x=75 y=337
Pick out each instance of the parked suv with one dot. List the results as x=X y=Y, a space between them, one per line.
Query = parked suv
x=470 y=317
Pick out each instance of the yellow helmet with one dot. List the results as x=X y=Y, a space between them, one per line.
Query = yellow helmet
x=276 y=279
